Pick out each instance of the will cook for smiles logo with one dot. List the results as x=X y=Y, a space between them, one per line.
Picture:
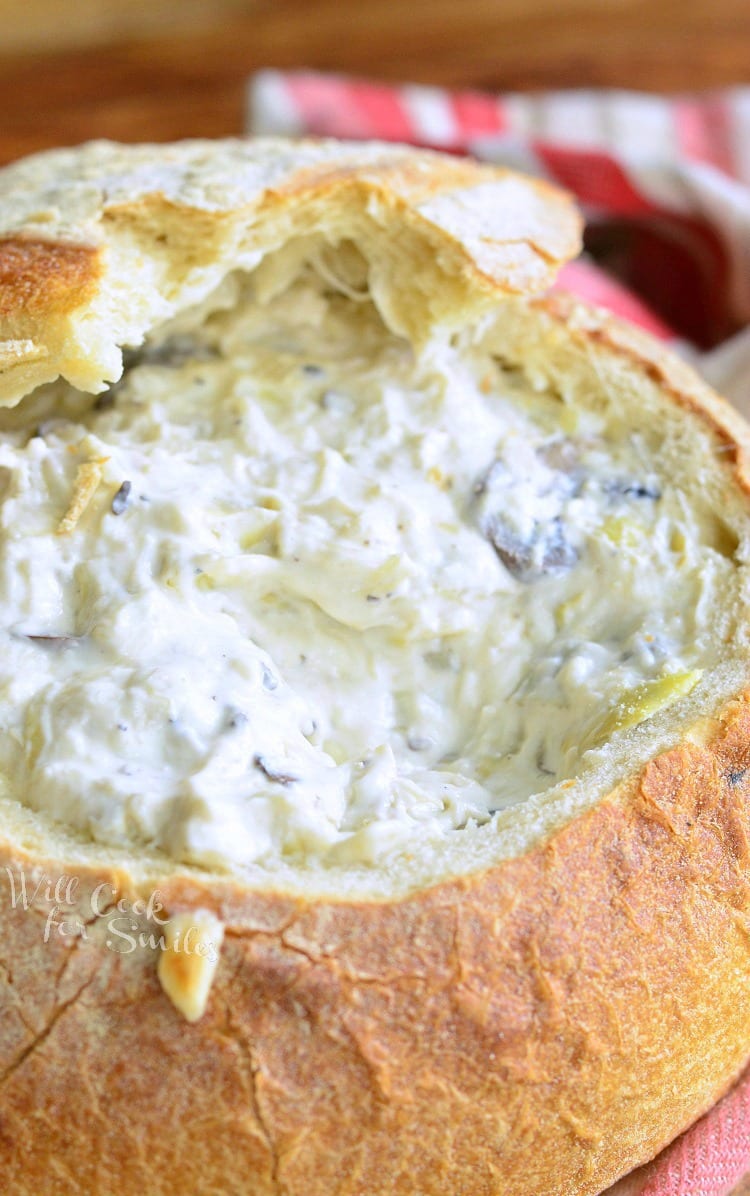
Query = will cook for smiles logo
x=128 y=923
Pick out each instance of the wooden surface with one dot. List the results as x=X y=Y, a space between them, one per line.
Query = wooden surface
x=187 y=76
x=160 y=69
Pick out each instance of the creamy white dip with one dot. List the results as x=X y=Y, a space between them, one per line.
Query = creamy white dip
x=322 y=596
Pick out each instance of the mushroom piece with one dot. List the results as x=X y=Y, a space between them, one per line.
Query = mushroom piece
x=544 y=548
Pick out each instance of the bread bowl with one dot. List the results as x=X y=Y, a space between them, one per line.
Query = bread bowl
x=375 y=647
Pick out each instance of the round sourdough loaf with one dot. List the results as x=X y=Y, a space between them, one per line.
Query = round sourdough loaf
x=526 y=1003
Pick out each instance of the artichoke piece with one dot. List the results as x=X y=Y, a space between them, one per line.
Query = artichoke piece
x=639 y=704
x=623 y=532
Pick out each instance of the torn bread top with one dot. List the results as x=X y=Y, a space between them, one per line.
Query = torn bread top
x=101 y=244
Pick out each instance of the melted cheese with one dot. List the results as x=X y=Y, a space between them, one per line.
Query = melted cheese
x=325 y=597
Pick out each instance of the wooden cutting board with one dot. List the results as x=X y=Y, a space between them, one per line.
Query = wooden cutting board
x=183 y=72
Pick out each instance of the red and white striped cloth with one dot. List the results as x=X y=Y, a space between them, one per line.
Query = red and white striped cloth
x=665 y=185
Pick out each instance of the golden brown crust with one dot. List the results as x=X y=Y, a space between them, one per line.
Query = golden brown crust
x=39 y=277
x=539 y=1028
x=39 y=280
